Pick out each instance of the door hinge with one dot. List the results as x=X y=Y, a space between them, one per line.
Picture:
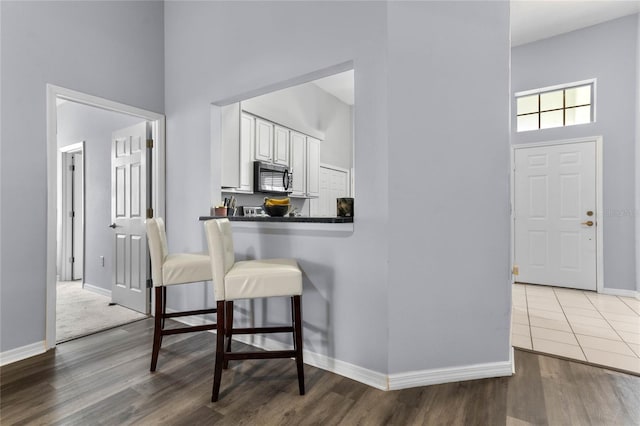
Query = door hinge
x=72 y=168
x=149 y=283
x=72 y=259
x=149 y=143
x=149 y=213
x=515 y=270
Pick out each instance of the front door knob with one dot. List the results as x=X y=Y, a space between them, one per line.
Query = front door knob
x=112 y=226
x=588 y=223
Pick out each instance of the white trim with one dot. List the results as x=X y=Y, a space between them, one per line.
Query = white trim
x=621 y=292
x=157 y=185
x=450 y=374
x=599 y=198
x=22 y=352
x=357 y=373
x=558 y=87
x=363 y=375
x=374 y=378
x=98 y=290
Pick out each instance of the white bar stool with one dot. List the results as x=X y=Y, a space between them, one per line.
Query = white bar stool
x=250 y=279
x=172 y=269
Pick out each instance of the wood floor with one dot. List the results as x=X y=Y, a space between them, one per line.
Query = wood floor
x=105 y=379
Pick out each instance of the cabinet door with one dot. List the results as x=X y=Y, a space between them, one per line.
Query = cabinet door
x=230 y=150
x=247 y=139
x=313 y=167
x=281 y=146
x=264 y=140
x=298 y=157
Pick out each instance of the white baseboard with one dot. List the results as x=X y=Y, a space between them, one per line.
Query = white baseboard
x=23 y=352
x=98 y=290
x=323 y=362
x=621 y=292
x=450 y=374
x=373 y=378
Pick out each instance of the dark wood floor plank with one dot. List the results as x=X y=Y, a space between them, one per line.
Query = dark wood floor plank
x=104 y=379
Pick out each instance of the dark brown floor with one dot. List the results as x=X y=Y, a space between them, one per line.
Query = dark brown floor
x=105 y=379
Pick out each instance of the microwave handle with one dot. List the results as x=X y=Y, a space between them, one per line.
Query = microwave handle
x=285 y=180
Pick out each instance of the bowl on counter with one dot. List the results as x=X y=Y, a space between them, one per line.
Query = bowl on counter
x=276 y=210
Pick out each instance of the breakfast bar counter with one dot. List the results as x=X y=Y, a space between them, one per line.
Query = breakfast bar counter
x=282 y=219
x=287 y=224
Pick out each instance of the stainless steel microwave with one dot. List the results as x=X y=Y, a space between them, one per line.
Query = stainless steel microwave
x=271 y=178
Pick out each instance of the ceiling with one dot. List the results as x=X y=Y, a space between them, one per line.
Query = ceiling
x=535 y=20
x=531 y=20
x=339 y=85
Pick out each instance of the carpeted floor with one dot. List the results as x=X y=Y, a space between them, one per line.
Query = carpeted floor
x=80 y=312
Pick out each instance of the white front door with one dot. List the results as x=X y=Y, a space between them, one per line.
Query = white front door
x=555 y=215
x=129 y=201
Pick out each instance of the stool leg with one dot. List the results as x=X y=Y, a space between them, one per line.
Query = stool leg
x=297 y=327
x=228 y=328
x=217 y=371
x=157 y=329
x=164 y=303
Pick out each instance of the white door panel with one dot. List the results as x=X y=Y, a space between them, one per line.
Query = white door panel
x=129 y=199
x=555 y=189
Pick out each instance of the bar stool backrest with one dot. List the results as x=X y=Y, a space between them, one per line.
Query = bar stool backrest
x=220 y=241
x=157 y=237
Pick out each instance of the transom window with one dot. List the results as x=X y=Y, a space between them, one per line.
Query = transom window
x=556 y=106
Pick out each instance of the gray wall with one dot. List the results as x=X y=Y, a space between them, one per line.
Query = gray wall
x=607 y=52
x=77 y=123
x=360 y=302
x=637 y=156
x=305 y=107
x=252 y=45
x=449 y=292
x=108 y=49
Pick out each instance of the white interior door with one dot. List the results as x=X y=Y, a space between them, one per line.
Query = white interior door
x=77 y=216
x=333 y=184
x=555 y=215
x=129 y=201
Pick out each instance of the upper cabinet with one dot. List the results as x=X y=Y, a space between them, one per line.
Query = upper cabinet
x=256 y=139
x=263 y=140
x=298 y=165
x=230 y=149
x=313 y=167
x=281 y=145
x=271 y=143
x=247 y=136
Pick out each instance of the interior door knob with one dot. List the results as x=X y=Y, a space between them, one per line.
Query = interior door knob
x=113 y=226
x=588 y=223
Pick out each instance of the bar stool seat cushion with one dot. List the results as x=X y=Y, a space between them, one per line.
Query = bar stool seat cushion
x=252 y=279
x=183 y=268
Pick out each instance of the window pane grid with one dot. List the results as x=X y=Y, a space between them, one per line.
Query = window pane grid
x=557 y=108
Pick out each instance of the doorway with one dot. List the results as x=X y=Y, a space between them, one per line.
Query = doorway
x=557 y=201
x=97 y=265
x=71 y=219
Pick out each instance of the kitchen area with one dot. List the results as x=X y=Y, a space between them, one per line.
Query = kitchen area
x=292 y=147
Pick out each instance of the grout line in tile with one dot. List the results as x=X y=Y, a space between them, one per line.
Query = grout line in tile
x=570 y=326
x=611 y=325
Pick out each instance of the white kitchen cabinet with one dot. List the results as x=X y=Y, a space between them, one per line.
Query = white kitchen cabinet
x=247 y=138
x=263 y=141
x=281 y=145
x=313 y=167
x=298 y=164
x=230 y=149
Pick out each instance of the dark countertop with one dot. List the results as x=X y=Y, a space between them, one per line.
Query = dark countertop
x=297 y=219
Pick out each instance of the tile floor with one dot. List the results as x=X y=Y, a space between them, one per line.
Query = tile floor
x=582 y=325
